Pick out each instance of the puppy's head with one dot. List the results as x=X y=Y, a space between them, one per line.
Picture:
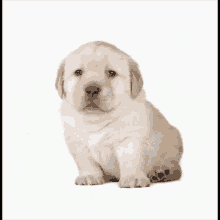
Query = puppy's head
x=97 y=78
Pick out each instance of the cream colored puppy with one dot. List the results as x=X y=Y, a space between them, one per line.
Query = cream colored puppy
x=112 y=132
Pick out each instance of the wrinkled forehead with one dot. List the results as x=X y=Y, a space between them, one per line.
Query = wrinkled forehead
x=90 y=56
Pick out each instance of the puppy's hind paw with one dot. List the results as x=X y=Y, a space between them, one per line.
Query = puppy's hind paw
x=89 y=180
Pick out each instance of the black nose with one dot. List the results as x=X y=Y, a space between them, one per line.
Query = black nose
x=92 y=90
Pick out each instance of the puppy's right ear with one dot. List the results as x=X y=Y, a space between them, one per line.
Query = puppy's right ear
x=60 y=81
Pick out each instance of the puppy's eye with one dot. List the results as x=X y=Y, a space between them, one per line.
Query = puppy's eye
x=78 y=72
x=112 y=73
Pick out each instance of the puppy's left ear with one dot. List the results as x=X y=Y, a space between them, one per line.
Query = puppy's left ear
x=59 y=80
x=136 y=79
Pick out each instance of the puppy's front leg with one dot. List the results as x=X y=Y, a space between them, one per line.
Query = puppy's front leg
x=132 y=159
x=90 y=172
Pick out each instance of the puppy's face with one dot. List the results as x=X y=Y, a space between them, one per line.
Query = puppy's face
x=97 y=78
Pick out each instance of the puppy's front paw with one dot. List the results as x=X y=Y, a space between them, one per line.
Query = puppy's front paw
x=134 y=181
x=89 y=180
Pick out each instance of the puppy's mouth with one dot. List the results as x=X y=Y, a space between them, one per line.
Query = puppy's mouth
x=93 y=108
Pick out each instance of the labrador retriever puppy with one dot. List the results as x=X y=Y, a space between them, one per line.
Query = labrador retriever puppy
x=112 y=132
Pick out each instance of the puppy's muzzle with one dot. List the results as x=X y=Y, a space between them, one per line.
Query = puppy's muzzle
x=92 y=91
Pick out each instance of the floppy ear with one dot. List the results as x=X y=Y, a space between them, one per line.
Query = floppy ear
x=136 y=80
x=59 y=80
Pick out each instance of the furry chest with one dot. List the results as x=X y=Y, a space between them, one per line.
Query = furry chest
x=101 y=146
x=96 y=139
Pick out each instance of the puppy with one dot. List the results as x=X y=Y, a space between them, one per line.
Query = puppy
x=112 y=132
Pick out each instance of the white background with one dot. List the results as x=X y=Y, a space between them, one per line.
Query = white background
x=175 y=44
